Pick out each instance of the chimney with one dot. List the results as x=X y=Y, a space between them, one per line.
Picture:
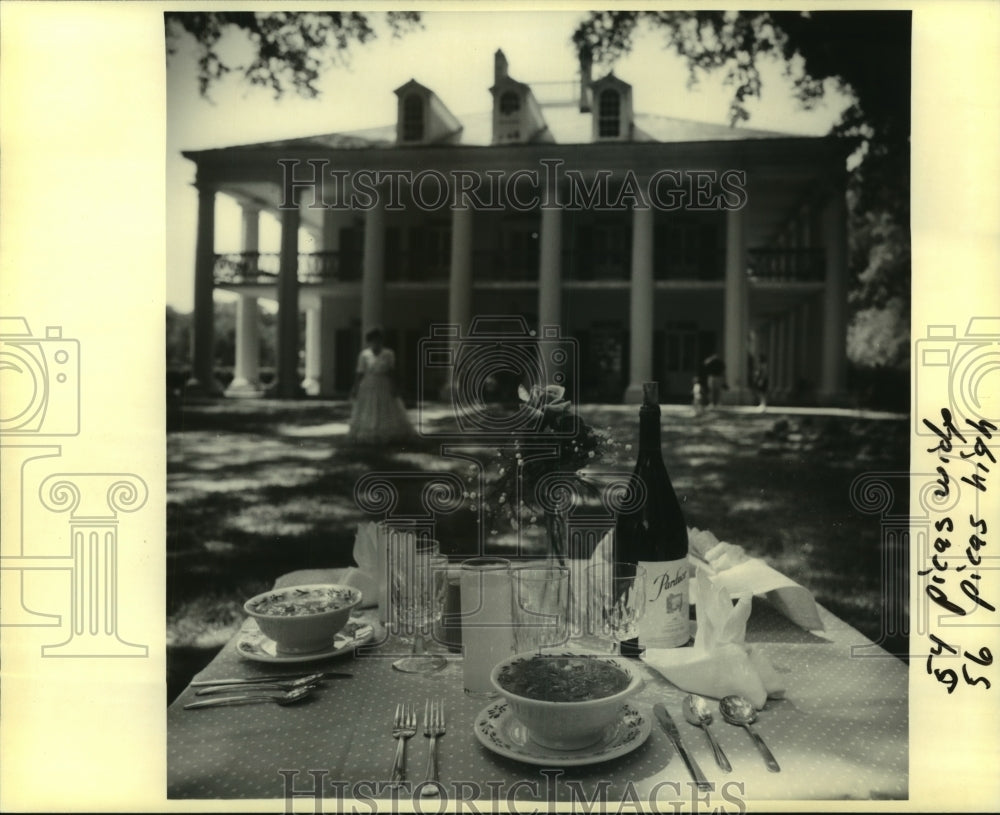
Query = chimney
x=586 y=65
x=499 y=66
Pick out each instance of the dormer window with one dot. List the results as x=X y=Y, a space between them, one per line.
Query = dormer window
x=609 y=117
x=422 y=118
x=510 y=103
x=413 y=118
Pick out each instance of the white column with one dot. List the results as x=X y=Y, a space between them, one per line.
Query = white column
x=247 y=334
x=328 y=346
x=460 y=282
x=735 y=308
x=314 y=349
x=833 y=365
x=373 y=269
x=550 y=269
x=247 y=348
x=250 y=228
x=641 y=305
x=287 y=352
x=203 y=347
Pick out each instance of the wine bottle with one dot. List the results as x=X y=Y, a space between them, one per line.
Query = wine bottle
x=652 y=532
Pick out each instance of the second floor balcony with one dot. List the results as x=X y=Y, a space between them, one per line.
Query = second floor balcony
x=498 y=266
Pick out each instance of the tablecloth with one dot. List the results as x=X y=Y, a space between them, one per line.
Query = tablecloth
x=840 y=732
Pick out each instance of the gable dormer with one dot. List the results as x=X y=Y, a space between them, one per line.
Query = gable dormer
x=422 y=118
x=611 y=109
x=517 y=116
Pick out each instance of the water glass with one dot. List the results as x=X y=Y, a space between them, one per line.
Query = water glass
x=618 y=601
x=540 y=606
x=418 y=580
x=487 y=637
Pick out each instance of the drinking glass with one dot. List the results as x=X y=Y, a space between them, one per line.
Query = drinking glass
x=540 y=607
x=618 y=601
x=418 y=580
x=487 y=637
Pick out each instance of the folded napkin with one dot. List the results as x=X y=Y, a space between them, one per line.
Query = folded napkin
x=369 y=576
x=730 y=566
x=720 y=662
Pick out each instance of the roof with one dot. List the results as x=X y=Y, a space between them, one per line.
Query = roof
x=566 y=124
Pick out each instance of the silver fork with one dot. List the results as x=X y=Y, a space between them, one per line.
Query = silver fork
x=433 y=728
x=404 y=725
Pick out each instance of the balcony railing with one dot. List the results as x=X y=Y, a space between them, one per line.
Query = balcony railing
x=796 y=265
x=247 y=268
x=241 y=268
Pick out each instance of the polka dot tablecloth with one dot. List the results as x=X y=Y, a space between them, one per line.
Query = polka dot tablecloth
x=840 y=732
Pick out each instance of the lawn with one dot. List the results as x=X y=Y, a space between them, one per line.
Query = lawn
x=257 y=488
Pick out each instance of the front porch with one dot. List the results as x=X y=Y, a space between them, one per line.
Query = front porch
x=645 y=293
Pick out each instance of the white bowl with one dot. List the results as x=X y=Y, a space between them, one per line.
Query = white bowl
x=305 y=618
x=568 y=725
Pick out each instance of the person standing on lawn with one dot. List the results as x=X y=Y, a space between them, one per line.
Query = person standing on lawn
x=759 y=382
x=715 y=371
x=378 y=415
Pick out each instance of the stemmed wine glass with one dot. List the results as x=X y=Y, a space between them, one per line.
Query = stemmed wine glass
x=618 y=601
x=418 y=582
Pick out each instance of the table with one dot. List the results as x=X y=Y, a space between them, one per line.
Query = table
x=840 y=732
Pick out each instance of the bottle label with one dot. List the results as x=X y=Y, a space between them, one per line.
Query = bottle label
x=665 y=623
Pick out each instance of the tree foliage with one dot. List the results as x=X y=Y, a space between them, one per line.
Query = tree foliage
x=288 y=50
x=864 y=53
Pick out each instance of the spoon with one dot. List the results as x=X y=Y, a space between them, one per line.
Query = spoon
x=697 y=712
x=740 y=711
x=289 y=684
x=283 y=698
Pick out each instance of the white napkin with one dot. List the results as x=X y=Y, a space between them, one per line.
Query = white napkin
x=720 y=662
x=730 y=566
x=369 y=554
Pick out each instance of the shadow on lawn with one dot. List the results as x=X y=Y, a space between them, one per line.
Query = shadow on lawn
x=259 y=488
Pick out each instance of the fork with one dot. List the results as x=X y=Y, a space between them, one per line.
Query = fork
x=433 y=728
x=404 y=725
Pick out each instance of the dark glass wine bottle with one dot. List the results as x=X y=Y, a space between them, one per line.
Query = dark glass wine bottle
x=654 y=536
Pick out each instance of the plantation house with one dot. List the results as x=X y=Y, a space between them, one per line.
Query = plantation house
x=644 y=242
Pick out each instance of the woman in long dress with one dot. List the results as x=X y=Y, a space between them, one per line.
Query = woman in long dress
x=377 y=414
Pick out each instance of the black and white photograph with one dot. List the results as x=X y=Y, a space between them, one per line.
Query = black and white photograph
x=552 y=408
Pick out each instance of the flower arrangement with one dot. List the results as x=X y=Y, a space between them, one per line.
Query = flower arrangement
x=541 y=472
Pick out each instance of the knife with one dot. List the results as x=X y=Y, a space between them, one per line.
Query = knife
x=675 y=737
x=250 y=680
